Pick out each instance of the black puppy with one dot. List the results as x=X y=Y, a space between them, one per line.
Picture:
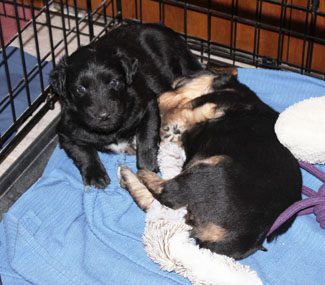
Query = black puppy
x=237 y=177
x=108 y=92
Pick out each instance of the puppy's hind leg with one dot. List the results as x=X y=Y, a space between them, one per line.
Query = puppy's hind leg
x=201 y=113
x=137 y=190
x=175 y=123
x=167 y=192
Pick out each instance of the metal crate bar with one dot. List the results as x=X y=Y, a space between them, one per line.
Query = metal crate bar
x=40 y=105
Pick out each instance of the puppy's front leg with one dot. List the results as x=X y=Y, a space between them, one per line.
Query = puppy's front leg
x=138 y=191
x=147 y=138
x=151 y=180
x=86 y=158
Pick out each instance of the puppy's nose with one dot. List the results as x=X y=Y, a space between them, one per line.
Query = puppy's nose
x=103 y=115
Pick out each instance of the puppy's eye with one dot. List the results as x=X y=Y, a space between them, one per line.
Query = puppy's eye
x=81 y=90
x=114 y=84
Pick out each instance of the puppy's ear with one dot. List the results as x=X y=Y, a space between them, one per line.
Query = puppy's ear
x=130 y=66
x=224 y=76
x=58 y=77
x=232 y=70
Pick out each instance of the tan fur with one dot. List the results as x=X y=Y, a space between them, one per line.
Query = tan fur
x=212 y=160
x=151 y=180
x=138 y=191
x=176 y=109
x=210 y=232
x=184 y=118
x=180 y=97
x=188 y=117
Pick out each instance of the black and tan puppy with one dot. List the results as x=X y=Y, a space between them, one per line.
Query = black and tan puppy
x=179 y=108
x=237 y=177
x=108 y=92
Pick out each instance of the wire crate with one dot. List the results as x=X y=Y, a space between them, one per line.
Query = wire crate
x=283 y=34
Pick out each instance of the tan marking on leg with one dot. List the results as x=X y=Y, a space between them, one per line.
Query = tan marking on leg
x=203 y=113
x=194 y=88
x=137 y=190
x=183 y=119
x=212 y=160
x=176 y=108
x=210 y=232
x=151 y=180
x=168 y=101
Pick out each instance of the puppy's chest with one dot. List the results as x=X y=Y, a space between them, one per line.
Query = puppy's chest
x=121 y=146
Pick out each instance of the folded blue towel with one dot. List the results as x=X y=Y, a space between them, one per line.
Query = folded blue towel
x=57 y=233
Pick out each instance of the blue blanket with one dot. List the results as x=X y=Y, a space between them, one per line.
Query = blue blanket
x=57 y=233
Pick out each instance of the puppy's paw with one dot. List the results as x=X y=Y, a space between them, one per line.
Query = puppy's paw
x=96 y=176
x=172 y=132
x=122 y=173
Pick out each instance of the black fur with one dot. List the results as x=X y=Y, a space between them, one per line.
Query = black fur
x=258 y=179
x=108 y=94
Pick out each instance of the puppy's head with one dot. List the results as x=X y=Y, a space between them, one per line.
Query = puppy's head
x=94 y=86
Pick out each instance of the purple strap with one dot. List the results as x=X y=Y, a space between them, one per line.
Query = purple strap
x=315 y=203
